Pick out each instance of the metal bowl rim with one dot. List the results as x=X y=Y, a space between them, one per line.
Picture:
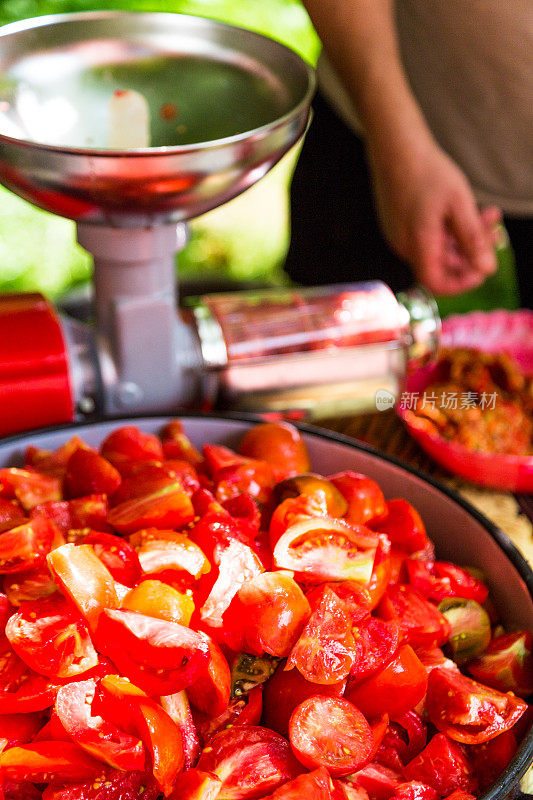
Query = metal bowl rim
x=523 y=758
x=160 y=151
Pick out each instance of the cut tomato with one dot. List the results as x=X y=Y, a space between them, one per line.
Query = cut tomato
x=89 y=473
x=117 y=555
x=393 y=690
x=197 y=785
x=159 y=656
x=29 y=488
x=128 y=445
x=415 y=790
x=160 y=550
x=77 y=514
x=381 y=571
x=506 y=664
x=158 y=599
x=52 y=639
x=249 y=760
x=442 y=765
x=317 y=785
x=365 y=498
x=48 y=761
x=375 y=644
x=330 y=732
x=210 y=690
x=378 y=781
x=32 y=584
x=177 y=707
x=296 y=509
x=11 y=514
x=267 y=615
x=176 y=443
x=26 y=546
x=19 y=728
x=164 y=504
x=108 y=785
x=101 y=739
x=489 y=759
x=421 y=623
x=242 y=710
x=403 y=525
x=84 y=579
x=467 y=711
x=279 y=443
x=327 y=549
x=436 y=580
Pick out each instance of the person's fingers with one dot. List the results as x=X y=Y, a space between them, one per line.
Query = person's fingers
x=473 y=240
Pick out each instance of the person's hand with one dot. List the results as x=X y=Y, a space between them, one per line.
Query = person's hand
x=430 y=217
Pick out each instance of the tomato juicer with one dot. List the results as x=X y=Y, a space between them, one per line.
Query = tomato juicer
x=131 y=124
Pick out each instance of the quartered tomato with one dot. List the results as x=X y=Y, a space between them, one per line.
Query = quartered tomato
x=178 y=709
x=403 y=525
x=506 y=664
x=29 y=488
x=52 y=638
x=20 y=690
x=101 y=739
x=490 y=758
x=25 y=546
x=330 y=732
x=163 y=504
x=210 y=690
x=442 y=765
x=436 y=580
x=467 y=711
x=117 y=555
x=162 y=550
x=250 y=761
x=393 y=690
x=19 y=728
x=158 y=599
x=89 y=473
x=266 y=615
x=363 y=495
x=327 y=549
x=160 y=657
x=421 y=623
x=296 y=509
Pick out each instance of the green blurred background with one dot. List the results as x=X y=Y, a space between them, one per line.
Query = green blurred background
x=244 y=241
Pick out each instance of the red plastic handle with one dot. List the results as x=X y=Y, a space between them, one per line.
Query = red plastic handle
x=34 y=375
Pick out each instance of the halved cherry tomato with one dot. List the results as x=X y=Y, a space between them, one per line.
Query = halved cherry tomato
x=330 y=732
x=52 y=638
x=29 y=488
x=279 y=443
x=164 y=504
x=48 y=761
x=177 y=707
x=108 y=785
x=242 y=710
x=325 y=652
x=403 y=525
x=100 y=738
x=365 y=498
x=467 y=711
x=88 y=472
x=442 y=765
x=436 y=580
x=395 y=689
x=160 y=657
x=26 y=546
x=421 y=623
x=84 y=579
x=327 y=549
x=250 y=761
x=375 y=644
x=118 y=555
x=128 y=445
x=266 y=615
x=506 y=664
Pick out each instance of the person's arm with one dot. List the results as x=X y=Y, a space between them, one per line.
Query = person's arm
x=425 y=203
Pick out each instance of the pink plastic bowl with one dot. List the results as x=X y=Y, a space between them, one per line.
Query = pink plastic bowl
x=493 y=331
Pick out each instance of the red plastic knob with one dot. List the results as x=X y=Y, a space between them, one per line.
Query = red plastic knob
x=34 y=375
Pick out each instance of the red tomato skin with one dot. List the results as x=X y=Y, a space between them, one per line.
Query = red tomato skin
x=279 y=443
x=176 y=444
x=165 y=504
x=403 y=525
x=491 y=758
x=379 y=781
x=128 y=444
x=414 y=790
x=251 y=761
x=451 y=696
x=32 y=584
x=89 y=473
x=381 y=572
x=376 y=643
x=366 y=502
x=266 y=615
x=421 y=622
x=80 y=512
x=436 y=580
x=210 y=691
x=11 y=514
x=118 y=555
x=442 y=765
x=287 y=689
x=313 y=730
x=506 y=664
x=394 y=690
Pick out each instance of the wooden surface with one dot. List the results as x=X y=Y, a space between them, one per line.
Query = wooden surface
x=386 y=432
